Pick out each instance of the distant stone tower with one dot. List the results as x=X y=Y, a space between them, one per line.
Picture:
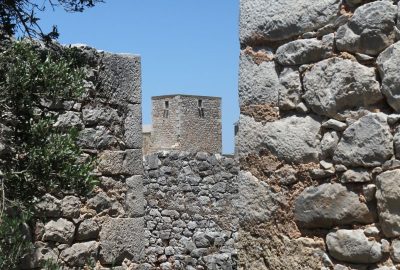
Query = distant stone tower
x=186 y=123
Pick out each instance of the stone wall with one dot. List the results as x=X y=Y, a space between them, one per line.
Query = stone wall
x=191 y=221
x=165 y=121
x=318 y=135
x=107 y=226
x=184 y=126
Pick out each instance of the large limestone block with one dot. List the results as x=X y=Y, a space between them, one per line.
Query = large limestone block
x=134 y=201
x=250 y=135
x=273 y=20
x=80 y=253
x=133 y=127
x=366 y=143
x=388 y=197
x=305 y=51
x=128 y=162
x=122 y=238
x=388 y=65
x=258 y=82
x=329 y=205
x=353 y=246
x=100 y=115
x=256 y=201
x=97 y=138
x=336 y=85
x=370 y=30
x=293 y=139
x=120 y=79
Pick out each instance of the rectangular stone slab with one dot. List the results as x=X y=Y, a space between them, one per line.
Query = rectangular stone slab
x=120 y=79
x=122 y=238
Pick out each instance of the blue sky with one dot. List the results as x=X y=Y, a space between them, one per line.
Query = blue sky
x=187 y=46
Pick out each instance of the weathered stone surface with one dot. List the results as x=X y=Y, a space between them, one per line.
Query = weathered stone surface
x=388 y=197
x=336 y=85
x=96 y=138
x=366 y=143
x=294 y=139
x=353 y=246
x=256 y=201
x=393 y=118
x=291 y=89
x=386 y=268
x=278 y=20
x=100 y=115
x=69 y=119
x=258 y=83
x=334 y=124
x=388 y=65
x=329 y=143
x=133 y=127
x=395 y=250
x=135 y=202
x=71 y=207
x=48 y=206
x=355 y=176
x=340 y=207
x=370 y=30
x=305 y=51
x=396 y=142
x=120 y=79
x=100 y=202
x=88 y=230
x=80 y=253
x=61 y=231
x=250 y=136
x=122 y=238
x=128 y=162
x=369 y=192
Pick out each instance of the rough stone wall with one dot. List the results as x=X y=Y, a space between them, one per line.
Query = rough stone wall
x=191 y=220
x=186 y=128
x=201 y=133
x=318 y=135
x=107 y=226
x=166 y=131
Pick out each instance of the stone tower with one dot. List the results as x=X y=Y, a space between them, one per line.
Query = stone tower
x=187 y=123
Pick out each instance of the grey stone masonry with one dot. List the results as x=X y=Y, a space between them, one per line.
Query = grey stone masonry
x=105 y=227
x=185 y=123
x=191 y=220
x=318 y=136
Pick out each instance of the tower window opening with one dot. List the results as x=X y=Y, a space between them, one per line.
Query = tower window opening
x=200 y=108
x=166 y=109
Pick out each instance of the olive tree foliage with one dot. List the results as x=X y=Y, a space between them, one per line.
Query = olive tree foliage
x=36 y=157
x=21 y=15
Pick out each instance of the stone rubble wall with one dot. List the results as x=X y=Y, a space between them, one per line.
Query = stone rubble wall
x=105 y=228
x=318 y=137
x=190 y=216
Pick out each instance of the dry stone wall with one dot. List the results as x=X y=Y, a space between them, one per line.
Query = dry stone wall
x=318 y=137
x=191 y=219
x=105 y=228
